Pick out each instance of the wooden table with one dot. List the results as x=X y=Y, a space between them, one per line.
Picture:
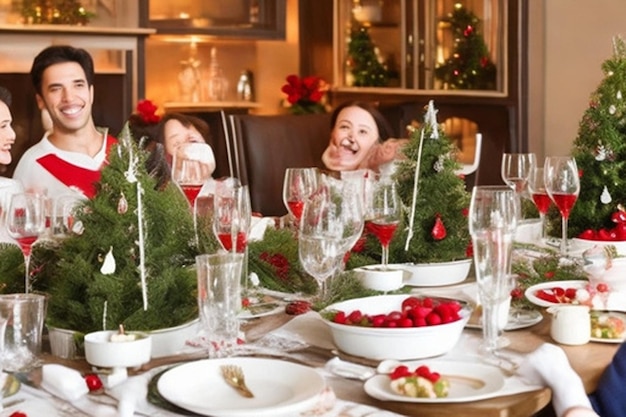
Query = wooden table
x=588 y=360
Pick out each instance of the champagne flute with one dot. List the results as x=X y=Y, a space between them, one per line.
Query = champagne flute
x=192 y=166
x=298 y=184
x=384 y=214
x=320 y=237
x=25 y=221
x=493 y=217
x=562 y=185
x=515 y=170
x=539 y=195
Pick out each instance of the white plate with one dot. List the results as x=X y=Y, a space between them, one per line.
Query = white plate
x=280 y=388
x=518 y=319
x=622 y=316
x=530 y=291
x=436 y=274
x=468 y=382
x=257 y=310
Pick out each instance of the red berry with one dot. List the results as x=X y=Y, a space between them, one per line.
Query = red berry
x=410 y=303
x=93 y=382
x=420 y=322
x=340 y=317
x=400 y=372
x=433 y=319
x=602 y=287
x=355 y=316
x=405 y=322
x=297 y=307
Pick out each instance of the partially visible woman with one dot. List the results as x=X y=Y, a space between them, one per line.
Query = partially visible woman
x=360 y=138
x=177 y=128
x=7 y=138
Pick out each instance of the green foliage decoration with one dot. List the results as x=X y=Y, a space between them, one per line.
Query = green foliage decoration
x=600 y=150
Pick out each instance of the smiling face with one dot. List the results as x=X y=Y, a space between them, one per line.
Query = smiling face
x=67 y=96
x=175 y=134
x=352 y=140
x=7 y=134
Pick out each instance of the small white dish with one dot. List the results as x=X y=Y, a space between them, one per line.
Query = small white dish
x=280 y=388
x=616 y=314
x=468 y=382
x=101 y=351
x=518 y=319
x=376 y=277
x=531 y=291
x=436 y=274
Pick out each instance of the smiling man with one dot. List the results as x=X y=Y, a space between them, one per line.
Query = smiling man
x=70 y=155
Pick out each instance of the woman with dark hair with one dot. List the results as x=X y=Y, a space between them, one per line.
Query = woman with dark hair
x=177 y=128
x=360 y=138
x=7 y=139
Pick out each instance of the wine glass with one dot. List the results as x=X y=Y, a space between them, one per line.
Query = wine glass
x=64 y=215
x=320 y=238
x=539 y=195
x=25 y=221
x=192 y=166
x=493 y=218
x=298 y=184
x=232 y=216
x=562 y=185
x=515 y=170
x=384 y=214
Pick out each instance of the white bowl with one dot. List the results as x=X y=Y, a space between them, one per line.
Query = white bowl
x=615 y=276
x=436 y=274
x=583 y=244
x=376 y=278
x=101 y=351
x=172 y=340
x=393 y=343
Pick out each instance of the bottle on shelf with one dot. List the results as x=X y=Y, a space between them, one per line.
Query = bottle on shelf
x=217 y=84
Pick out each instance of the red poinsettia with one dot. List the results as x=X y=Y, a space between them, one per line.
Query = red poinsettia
x=306 y=94
x=147 y=110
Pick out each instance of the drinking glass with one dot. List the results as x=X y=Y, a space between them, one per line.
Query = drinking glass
x=562 y=185
x=539 y=195
x=515 y=170
x=493 y=217
x=192 y=166
x=25 y=222
x=384 y=214
x=298 y=184
x=320 y=237
x=64 y=215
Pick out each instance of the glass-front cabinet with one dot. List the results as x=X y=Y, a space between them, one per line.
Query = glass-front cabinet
x=436 y=45
x=249 y=19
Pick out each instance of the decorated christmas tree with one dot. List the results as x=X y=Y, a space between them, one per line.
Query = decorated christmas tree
x=365 y=64
x=468 y=67
x=127 y=259
x=600 y=151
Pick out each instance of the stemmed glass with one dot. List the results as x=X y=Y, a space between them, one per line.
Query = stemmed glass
x=493 y=218
x=563 y=185
x=384 y=214
x=298 y=184
x=25 y=222
x=64 y=215
x=232 y=216
x=321 y=244
x=515 y=170
x=539 y=195
x=192 y=166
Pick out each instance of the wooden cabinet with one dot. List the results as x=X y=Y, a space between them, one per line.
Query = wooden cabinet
x=240 y=19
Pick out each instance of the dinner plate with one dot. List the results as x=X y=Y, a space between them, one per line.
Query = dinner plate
x=280 y=388
x=468 y=382
x=620 y=316
x=257 y=310
x=530 y=291
x=518 y=319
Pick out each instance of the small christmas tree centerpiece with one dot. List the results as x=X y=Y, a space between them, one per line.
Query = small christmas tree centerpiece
x=600 y=152
x=435 y=198
x=128 y=259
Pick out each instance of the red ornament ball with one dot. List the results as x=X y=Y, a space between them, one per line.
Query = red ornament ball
x=93 y=381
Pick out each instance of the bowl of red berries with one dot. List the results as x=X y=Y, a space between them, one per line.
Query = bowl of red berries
x=397 y=326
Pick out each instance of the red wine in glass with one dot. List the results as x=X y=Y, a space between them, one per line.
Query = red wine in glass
x=383 y=231
x=295 y=208
x=26 y=243
x=542 y=202
x=226 y=239
x=191 y=192
x=564 y=203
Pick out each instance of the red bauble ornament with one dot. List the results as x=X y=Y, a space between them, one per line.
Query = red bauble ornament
x=439 y=230
x=619 y=216
x=93 y=382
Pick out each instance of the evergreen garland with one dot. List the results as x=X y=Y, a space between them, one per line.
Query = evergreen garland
x=600 y=150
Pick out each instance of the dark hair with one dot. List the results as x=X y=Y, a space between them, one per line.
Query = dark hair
x=58 y=54
x=5 y=96
x=186 y=120
x=384 y=129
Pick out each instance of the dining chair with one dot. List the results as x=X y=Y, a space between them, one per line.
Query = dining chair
x=262 y=147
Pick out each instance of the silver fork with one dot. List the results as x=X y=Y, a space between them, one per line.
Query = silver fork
x=233 y=375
